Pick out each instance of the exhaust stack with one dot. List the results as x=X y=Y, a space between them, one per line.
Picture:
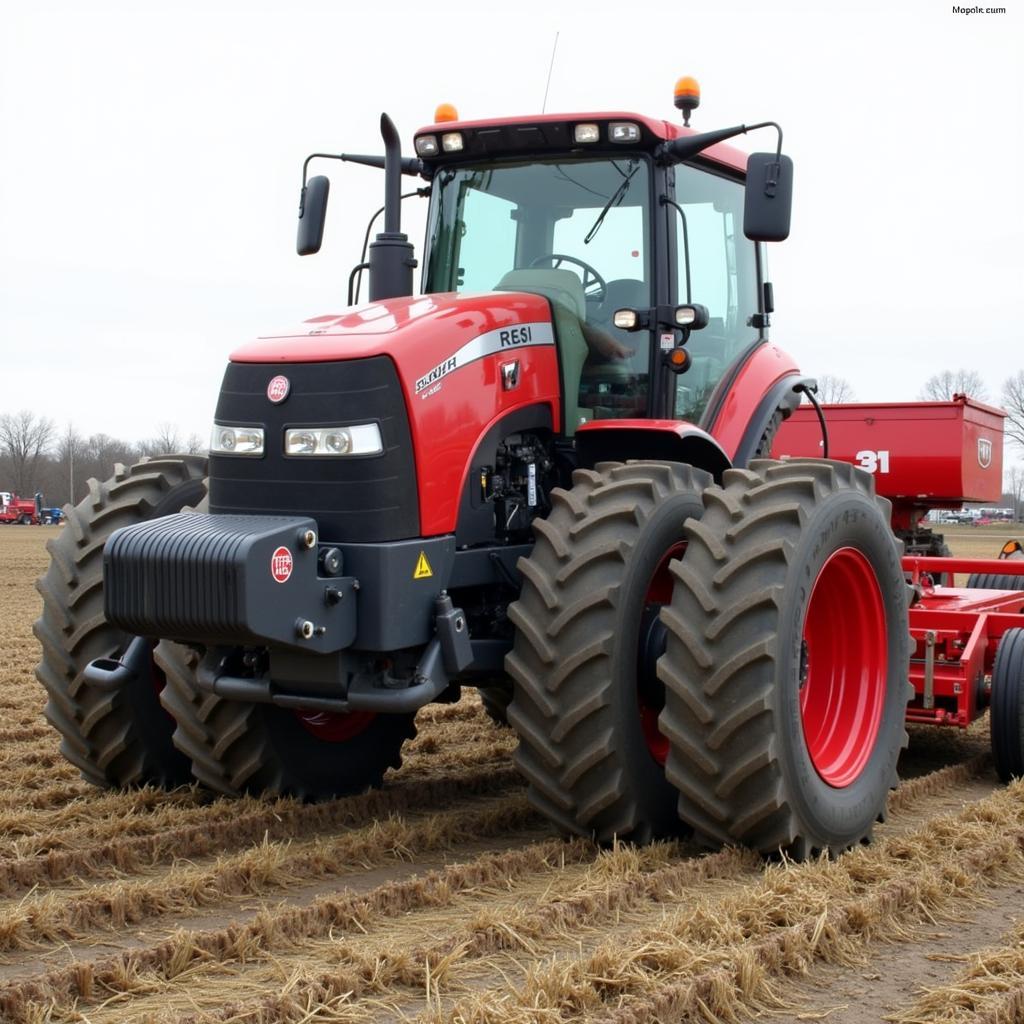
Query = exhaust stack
x=392 y=258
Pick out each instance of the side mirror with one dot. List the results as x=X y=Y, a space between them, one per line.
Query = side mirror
x=312 y=215
x=769 y=197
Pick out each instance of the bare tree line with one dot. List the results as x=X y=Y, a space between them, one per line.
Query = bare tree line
x=36 y=456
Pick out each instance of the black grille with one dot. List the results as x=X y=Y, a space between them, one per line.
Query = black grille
x=362 y=498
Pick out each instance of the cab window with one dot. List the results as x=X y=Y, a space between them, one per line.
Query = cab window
x=576 y=231
x=715 y=265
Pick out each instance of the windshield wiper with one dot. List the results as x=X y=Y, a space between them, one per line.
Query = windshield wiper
x=617 y=196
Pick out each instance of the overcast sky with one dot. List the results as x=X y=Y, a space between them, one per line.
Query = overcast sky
x=150 y=159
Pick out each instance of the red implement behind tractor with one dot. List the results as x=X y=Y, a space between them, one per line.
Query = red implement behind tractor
x=546 y=477
x=968 y=650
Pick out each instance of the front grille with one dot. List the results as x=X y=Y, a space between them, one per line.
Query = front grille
x=362 y=498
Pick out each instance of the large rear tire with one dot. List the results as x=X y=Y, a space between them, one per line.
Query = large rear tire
x=1006 y=716
x=586 y=644
x=237 y=748
x=120 y=736
x=786 y=667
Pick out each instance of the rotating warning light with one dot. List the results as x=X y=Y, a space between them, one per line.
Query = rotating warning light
x=687 y=97
x=445 y=112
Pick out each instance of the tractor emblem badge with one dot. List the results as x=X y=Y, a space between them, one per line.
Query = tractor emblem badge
x=278 y=388
x=281 y=565
x=510 y=375
x=984 y=452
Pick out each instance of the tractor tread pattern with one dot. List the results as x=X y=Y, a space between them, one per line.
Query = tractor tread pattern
x=718 y=668
x=100 y=729
x=561 y=660
x=233 y=752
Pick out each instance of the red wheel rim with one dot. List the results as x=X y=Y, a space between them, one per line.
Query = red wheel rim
x=844 y=667
x=334 y=726
x=659 y=592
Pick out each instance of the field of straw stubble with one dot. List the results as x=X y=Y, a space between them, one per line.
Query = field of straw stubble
x=444 y=898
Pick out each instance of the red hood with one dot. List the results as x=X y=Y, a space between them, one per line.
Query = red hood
x=393 y=325
x=448 y=350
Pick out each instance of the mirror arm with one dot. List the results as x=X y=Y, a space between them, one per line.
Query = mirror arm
x=688 y=146
x=409 y=165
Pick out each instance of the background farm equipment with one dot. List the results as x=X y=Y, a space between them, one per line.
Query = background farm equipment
x=23 y=511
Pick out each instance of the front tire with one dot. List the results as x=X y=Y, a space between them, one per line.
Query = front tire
x=235 y=747
x=586 y=644
x=786 y=667
x=120 y=736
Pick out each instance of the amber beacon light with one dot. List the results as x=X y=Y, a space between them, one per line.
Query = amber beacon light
x=687 y=94
x=445 y=112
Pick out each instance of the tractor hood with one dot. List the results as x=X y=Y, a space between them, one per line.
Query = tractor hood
x=416 y=328
x=462 y=363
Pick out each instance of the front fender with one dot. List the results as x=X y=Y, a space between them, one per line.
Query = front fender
x=655 y=440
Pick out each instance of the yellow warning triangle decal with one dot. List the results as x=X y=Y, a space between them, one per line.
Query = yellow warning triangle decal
x=422 y=570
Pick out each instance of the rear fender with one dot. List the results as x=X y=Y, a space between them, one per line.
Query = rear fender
x=655 y=440
x=742 y=407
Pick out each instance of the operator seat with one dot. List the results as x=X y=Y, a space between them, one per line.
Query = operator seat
x=565 y=291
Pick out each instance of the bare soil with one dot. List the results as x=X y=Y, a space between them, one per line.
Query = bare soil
x=445 y=898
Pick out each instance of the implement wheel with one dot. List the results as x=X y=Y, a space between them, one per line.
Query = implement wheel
x=994 y=581
x=786 y=667
x=587 y=640
x=119 y=736
x=1006 y=717
x=236 y=747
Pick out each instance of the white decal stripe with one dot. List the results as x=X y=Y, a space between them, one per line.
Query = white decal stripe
x=504 y=339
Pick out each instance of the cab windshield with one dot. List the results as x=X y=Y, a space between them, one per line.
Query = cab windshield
x=577 y=232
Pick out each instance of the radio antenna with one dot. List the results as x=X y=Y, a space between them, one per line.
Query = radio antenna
x=551 y=66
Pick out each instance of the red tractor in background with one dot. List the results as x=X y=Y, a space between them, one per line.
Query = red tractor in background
x=547 y=476
x=23 y=511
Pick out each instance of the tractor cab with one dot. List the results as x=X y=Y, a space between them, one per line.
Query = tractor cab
x=598 y=226
x=644 y=237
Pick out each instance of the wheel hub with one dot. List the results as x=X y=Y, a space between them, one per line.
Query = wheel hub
x=843 y=667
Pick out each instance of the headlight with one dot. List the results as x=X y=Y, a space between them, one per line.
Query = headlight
x=451 y=142
x=426 y=145
x=236 y=440
x=623 y=131
x=361 y=439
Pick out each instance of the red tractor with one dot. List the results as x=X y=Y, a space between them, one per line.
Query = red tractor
x=23 y=511
x=547 y=476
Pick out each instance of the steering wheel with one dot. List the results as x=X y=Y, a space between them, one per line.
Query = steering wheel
x=595 y=287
